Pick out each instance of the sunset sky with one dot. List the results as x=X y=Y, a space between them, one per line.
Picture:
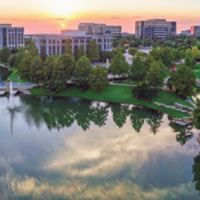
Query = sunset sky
x=47 y=16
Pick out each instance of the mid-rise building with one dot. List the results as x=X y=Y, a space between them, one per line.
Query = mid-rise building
x=186 y=32
x=56 y=44
x=195 y=31
x=11 y=36
x=155 y=29
x=100 y=29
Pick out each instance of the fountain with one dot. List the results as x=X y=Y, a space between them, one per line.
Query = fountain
x=11 y=97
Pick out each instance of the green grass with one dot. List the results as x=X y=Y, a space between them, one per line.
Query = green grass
x=121 y=94
x=14 y=75
x=197 y=73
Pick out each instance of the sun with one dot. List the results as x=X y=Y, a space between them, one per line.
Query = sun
x=63 y=25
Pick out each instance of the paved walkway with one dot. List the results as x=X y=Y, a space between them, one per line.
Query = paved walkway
x=128 y=85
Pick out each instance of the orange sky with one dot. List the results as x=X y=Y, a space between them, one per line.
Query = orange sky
x=47 y=16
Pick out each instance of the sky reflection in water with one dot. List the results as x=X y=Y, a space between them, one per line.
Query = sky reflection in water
x=76 y=149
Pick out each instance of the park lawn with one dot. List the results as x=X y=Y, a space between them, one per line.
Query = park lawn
x=197 y=73
x=14 y=75
x=120 y=94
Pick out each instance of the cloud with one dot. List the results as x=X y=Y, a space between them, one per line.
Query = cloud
x=60 y=19
x=115 y=17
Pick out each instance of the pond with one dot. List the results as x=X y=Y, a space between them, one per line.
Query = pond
x=75 y=149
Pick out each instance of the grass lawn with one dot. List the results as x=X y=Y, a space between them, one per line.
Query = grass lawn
x=14 y=74
x=121 y=94
x=197 y=73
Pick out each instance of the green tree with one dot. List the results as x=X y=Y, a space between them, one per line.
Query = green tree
x=167 y=57
x=32 y=49
x=188 y=61
x=142 y=91
x=98 y=78
x=155 y=53
x=24 y=66
x=183 y=80
x=58 y=76
x=104 y=55
x=138 y=70
x=82 y=71
x=132 y=51
x=68 y=48
x=93 y=51
x=195 y=52
x=119 y=66
x=12 y=60
x=36 y=70
x=5 y=54
x=20 y=56
x=68 y=63
x=177 y=54
x=196 y=115
x=155 y=75
x=81 y=51
x=148 y=61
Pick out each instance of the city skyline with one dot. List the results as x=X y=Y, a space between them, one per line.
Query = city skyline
x=50 y=16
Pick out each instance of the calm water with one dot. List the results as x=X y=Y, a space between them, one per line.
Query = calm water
x=82 y=150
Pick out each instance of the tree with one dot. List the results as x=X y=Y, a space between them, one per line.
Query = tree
x=20 y=56
x=155 y=75
x=68 y=48
x=132 y=51
x=58 y=76
x=81 y=51
x=196 y=115
x=98 y=78
x=142 y=91
x=12 y=60
x=138 y=70
x=119 y=66
x=82 y=71
x=104 y=55
x=32 y=49
x=183 y=80
x=24 y=66
x=93 y=51
x=195 y=53
x=155 y=53
x=68 y=63
x=188 y=61
x=167 y=57
x=36 y=69
x=5 y=54
x=177 y=54
x=148 y=61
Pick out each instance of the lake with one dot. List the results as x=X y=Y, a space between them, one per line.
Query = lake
x=75 y=149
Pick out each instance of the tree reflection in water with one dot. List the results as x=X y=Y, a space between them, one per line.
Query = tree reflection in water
x=184 y=134
x=58 y=113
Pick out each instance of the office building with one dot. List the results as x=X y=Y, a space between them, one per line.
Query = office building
x=186 y=32
x=155 y=29
x=195 y=31
x=56 y=44
x=11 y=36
x=100 y=29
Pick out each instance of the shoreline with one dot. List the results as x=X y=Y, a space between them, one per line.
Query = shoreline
x=120 y=94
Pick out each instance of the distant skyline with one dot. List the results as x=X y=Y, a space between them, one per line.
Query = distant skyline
x=48 y=16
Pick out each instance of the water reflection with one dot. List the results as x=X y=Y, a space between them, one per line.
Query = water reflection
x=57 y=114
x=76 y=149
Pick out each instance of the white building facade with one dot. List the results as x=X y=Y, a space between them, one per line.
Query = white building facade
x=100 y=29
x=11 y=36
x=55 y=44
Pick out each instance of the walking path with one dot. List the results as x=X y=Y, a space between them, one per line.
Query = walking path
x=128 y=85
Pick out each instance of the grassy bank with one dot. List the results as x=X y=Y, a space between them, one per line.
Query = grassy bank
x=120 y=94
